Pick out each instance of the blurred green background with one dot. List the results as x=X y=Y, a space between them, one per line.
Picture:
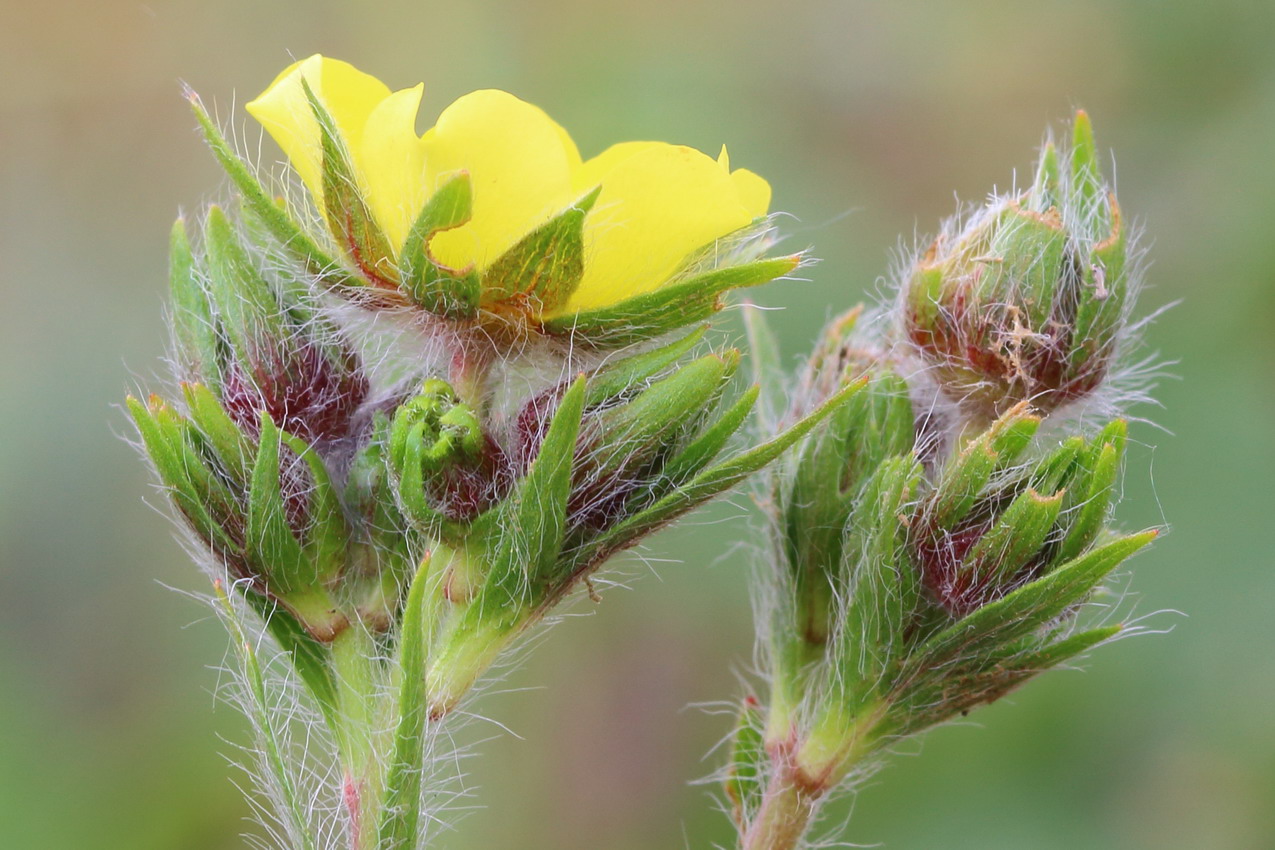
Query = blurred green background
x=866 y=117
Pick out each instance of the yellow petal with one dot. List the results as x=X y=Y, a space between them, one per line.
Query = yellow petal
x=520 y=163
x=657 y=206
x=348 y=94
x=391 y=162
x=754 y=191
x=592 y=172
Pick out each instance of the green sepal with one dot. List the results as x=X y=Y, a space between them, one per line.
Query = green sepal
x=250 y=313
x=433 y=287
x=410 y=474
x=708 y=444
x=767 y=368
x=524 y=531
x=1093 y=502
x=327 y=534
x=1104 y=285
x=1060 y=468
x=926 y=294
x=199 y=350
x=282 y=226
x=544 y=268
x=882 y=584
x=518 y=542
x=1028 y=247
x=1045 y=191
x=1086 y=176
x=273 y=547
x=984 y=680
x=828 y=470
x=966 y=476
x=234 y=449
x=429 y=432
x=1026 y=609
x=628 y=374
x=638 y=431
x=671 y=306
x=400 y=809
x=346 y=210
x=1039 y=660
x=710 y=482
x=1014 y=539
x=746 y=772
x=195 y=490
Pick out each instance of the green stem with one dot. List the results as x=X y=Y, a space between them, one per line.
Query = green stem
x=353 y=661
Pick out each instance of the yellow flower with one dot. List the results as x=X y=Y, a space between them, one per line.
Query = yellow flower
x=657 y=204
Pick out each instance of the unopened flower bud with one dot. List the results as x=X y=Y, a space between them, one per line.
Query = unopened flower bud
x=257 y=348
x=991 y=525
x=1029 y=299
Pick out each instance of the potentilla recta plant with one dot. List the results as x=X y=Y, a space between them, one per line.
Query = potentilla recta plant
x=425 y=386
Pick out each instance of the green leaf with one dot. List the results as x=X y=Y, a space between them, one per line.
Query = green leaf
x=546 y=265
x=400 y=813
x=276 y=219
x=666 y=308
x=431 y=286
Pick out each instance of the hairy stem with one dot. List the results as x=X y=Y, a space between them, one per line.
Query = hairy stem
x=353 y=660
x=787 y=811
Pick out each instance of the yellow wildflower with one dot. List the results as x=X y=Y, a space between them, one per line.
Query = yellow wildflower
x=657 y=204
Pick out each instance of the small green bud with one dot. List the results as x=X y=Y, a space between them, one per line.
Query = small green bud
x=1028 y=301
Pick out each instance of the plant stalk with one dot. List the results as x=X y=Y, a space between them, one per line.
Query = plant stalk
x=787 y=811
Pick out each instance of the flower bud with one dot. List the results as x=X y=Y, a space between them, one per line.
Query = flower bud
x=256 y=344
x=446 y=467
x=1029 y=299
x=991 y=526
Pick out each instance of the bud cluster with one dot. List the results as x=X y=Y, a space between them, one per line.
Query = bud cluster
x=914 y=575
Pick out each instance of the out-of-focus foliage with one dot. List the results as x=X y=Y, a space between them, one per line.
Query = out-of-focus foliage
x=865 y=118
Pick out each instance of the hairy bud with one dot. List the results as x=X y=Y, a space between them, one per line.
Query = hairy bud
x=1029 y=299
